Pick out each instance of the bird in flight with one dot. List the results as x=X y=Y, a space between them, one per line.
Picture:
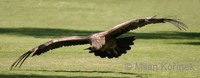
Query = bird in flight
x=103 y=44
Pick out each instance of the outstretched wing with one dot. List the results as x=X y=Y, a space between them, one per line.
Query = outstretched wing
x=133 y=24
x=52 y=44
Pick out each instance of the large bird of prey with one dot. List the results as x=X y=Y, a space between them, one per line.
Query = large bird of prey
x=103 y=44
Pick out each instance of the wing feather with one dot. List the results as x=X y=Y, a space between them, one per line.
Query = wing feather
x=134 y=24
x=52 y=44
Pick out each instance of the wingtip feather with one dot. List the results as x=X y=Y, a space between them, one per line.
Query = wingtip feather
x=20 y=60
x=177 y=23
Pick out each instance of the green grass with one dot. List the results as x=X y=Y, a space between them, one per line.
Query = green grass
x=25 y=24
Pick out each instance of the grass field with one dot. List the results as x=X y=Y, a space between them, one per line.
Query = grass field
x=25 y=24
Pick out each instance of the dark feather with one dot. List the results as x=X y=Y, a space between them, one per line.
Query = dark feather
x=134 y=24
x=53 y=44
x=123 y=44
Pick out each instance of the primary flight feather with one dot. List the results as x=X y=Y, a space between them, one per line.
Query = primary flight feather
x=103 y=44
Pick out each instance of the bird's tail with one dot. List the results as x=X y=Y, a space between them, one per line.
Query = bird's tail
x=123 y=44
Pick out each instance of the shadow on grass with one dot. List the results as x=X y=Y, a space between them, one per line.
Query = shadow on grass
x=52 y=76
x=50 y=32
x=79 y=71
x=189 y=43
x=98 y=72
x=44 y=32
x=56 y=33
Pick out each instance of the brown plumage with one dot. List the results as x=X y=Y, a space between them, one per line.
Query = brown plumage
x=103 y=44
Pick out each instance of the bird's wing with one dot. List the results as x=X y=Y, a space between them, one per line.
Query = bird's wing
x=52 y=44
x=133 y=24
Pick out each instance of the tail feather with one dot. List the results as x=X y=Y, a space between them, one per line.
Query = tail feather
x=101 y=54
x=123 y=44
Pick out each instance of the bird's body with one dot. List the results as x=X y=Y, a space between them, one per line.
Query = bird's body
x=103 y=44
